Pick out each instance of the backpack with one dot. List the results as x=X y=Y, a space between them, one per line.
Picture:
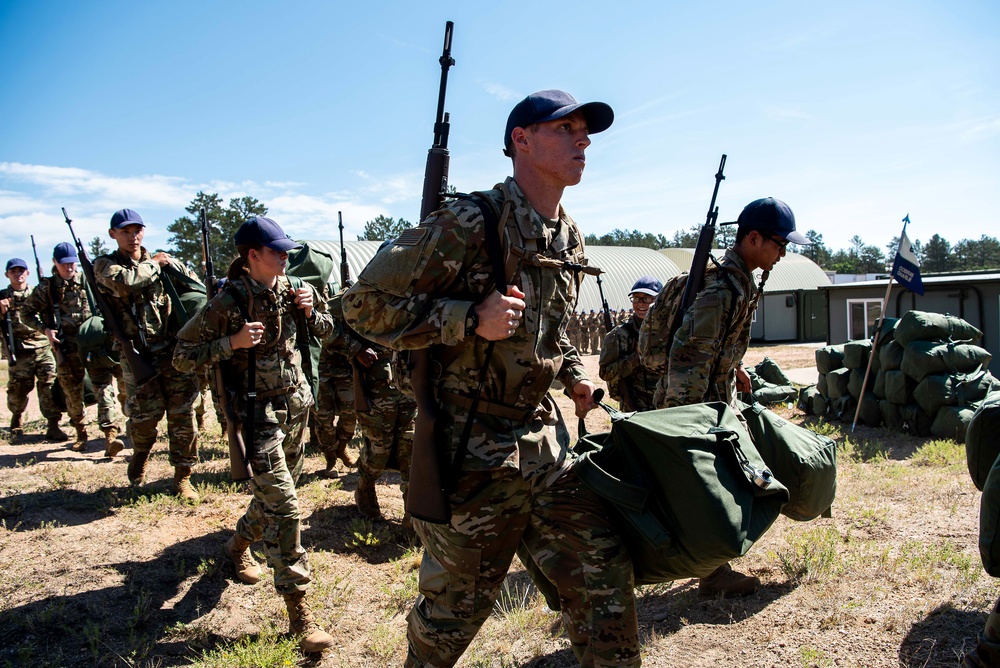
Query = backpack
x=655 y=334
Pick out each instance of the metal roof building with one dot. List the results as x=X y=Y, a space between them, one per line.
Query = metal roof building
x=621 y=265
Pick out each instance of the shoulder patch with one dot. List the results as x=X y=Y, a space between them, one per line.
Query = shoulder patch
x=411 y=236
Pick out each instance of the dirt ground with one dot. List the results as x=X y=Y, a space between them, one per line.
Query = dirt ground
x=95 y=573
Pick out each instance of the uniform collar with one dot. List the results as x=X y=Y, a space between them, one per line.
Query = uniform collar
x=533 y=225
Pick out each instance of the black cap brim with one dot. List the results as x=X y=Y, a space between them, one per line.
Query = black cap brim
x=599 y=115
x=283 y=245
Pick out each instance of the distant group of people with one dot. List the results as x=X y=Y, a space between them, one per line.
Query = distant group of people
x=497 y=340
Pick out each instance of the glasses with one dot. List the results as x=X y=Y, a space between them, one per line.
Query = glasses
x=643 y=299
x=778 y=241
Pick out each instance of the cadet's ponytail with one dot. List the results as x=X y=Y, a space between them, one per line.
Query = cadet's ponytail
x=239 y=265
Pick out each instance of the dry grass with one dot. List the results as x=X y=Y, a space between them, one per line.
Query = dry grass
x=94 y=573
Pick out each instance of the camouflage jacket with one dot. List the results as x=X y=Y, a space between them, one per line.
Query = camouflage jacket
x=70 y=297
x=712 y=338
x=342 y=344
x=25 y=337
x=136 y=294
x=204 y=340
x=416 y=293
x=620 y=363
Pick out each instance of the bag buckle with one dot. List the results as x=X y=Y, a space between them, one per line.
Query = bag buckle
x=761 y=477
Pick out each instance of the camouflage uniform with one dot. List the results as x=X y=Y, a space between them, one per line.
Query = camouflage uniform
x=597 y=332
x=129 y=283
x=281 y=411
x=35 y=367
x=711 y=340
x=573 y=330
x=585 y=325
x=101 y=377
x=336 y=386
x=620 y=363
x=388 y=424
x=70 y=298
x=517 y=483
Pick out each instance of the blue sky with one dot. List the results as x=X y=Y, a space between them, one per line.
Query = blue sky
x=855 y=113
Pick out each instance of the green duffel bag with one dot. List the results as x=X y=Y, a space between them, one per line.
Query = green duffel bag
x=820 y=405
x=94 y=344
x=898 y=387
x=690 y=488
x=843 y=408
x=312 y=265
x=805 y=400
x=939 y=390
x=836 y=383
x=892 y=416
x=804 y=461
x=879 y=387
x=822 y=385
x=923 y=358
x=870 y=413
x=915 y=420
x=829 y=358
x=187 y=294
x=927 y=326
x=886 y=331
x=774 y=394
x=989 y=521
x=982 y=439
x=855 y=381
x=890 y=357
x=856 y=353
x=952 y=422
x=769 y=370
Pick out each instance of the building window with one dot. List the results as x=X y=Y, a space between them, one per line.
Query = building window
x=862 y=315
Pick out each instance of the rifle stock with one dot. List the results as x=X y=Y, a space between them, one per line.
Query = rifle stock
x=239 y=462
x=53 y=316
x=141 y=369
x=427 y=498
x=703 y=249
x=9 y=343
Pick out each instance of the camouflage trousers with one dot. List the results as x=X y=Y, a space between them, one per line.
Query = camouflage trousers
x=71 y=374
x=596 y=340
x=170 y=392
x=336 y=398
x=273 y=513
x=387 y=429
x=565 y=528
x=101 y=378
x=34 y=368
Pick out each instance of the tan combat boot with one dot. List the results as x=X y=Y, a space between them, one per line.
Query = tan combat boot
x=330 y=472
x=182 y=483
x=112 y=444
x=365 y=498
x=81 y=438
x=237 y=551
x=724 y=580
x=16 y=432
x=342 y=454
x=54 y=433
x=301 y=624
x=137 y=466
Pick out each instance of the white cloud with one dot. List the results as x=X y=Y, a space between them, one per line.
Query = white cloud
x=501 y=92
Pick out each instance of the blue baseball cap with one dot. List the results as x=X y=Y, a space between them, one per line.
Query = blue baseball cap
x=772 y=216
x=16 y=262
x=124 y=217
x=549 y=105
x=65 y=253
x=647 y=285
x=266 y=232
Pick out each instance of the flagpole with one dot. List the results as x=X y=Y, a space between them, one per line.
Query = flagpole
x=874 y=351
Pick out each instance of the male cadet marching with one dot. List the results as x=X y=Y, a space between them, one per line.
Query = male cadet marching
x=585 y=325
x=35 y=365
x=133 y=281
x=597 y=332
x=620 y=364
x=63 y=295
x=262 y=308
x=336 y=392
x=434 y=287
x=704 y=362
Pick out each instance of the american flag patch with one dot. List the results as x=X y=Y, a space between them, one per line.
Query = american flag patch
x=411 y=236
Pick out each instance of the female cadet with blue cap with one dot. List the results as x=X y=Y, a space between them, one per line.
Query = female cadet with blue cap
x=259 y=308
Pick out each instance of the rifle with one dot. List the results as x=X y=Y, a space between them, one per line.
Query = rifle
x=624 y=389
x=427 y=498
x=8 y=339
x=702 y=252
x=361 y=404
x=54 y=319
x=239 y=461
x=141 y=369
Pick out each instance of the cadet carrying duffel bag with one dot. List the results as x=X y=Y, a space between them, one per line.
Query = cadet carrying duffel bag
x=982 y=439
x=804 y=461
x=691 y=490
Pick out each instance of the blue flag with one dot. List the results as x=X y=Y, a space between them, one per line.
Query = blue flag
x=906 y=266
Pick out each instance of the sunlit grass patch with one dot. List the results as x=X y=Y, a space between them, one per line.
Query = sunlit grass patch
x=267 y=650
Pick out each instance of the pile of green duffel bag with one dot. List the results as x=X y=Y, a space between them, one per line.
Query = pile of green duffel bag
x=927 y=377
x=694 y=489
